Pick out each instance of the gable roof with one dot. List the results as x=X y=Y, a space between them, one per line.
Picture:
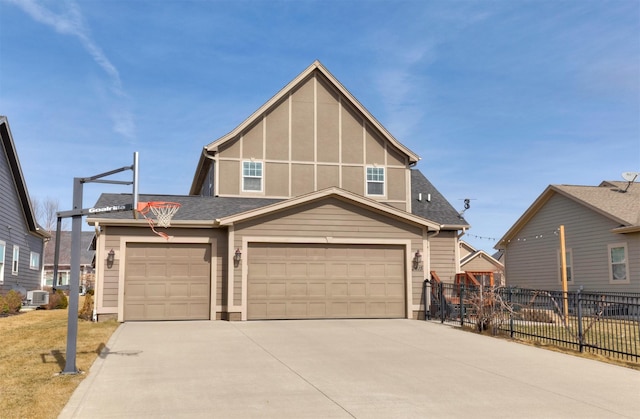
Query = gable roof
x=316 y=66
x=481 y=254
x=618 y=201
x=86 y=255
x=437 y=209
x=21 y=186
x=337 y=193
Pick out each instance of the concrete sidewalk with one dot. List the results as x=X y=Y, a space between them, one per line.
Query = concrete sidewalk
x=342 y=369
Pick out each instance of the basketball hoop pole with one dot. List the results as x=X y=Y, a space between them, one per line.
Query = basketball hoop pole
x=76 y=215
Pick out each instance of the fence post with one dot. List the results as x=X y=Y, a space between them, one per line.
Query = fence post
x=461 y=305
x=443 y=305
x=580 y=331
x=510 y=312
x=424 y=297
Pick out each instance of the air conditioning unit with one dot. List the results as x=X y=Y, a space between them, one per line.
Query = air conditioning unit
x=38 y=298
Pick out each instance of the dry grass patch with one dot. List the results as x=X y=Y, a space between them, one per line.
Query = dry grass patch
x=33 y=353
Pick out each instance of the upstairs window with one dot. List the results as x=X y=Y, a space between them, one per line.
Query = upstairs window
x=34 y=261
x=16 y=260
x=375 y=180
x=618 y=266
x=252 y=176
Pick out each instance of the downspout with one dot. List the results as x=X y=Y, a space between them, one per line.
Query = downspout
x=205 y=153
x=457 y=256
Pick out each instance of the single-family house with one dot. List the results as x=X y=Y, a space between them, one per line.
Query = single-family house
x=602 y=239
x=309 y=209
x=21 y=238
x=87 y=255
x=484 y=267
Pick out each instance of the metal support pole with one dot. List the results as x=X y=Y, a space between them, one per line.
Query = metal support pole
x=563 y=269
x=74 y=280
x=56 y=255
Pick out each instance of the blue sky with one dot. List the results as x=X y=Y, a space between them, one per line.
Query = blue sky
x=499 y=98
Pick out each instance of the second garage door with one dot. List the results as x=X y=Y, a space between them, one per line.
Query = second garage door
x=306 y=281
x=167 y=281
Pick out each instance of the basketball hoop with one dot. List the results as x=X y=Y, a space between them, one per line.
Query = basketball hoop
x=163 y=211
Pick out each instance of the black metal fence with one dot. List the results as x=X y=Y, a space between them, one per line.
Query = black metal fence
x=599 y=322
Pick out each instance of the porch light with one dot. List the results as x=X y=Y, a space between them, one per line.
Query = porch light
x=110 y=258
x=237 y=257
x=417 y=261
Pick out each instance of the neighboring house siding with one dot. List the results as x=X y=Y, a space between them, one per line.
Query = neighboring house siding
x=331 y=219
x=443 y=256
x=14 y=232
x=108 y=278
x=311 y=140
x=532 y=258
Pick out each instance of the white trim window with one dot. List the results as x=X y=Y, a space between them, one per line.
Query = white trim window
x=252 y=176
x=375 y=181
x=618 y=263
x=15 y=262
x=569 y=259
x=34 y=261
x=3 y=248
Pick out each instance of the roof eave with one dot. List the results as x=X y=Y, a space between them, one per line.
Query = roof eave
x=626 y=229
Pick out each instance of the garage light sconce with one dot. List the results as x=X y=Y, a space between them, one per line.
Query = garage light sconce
x=237 y=257
x=417 y=261
x=111 y=256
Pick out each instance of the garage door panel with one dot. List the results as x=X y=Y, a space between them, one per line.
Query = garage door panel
x=167 y=281
x=357 y=289
x=297 y=290
x=317 y=289
x=325 y=281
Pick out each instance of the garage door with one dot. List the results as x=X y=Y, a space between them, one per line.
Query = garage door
x=167 y=281
x=303 y=281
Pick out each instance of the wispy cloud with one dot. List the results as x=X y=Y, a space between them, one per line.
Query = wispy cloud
x=70 y=21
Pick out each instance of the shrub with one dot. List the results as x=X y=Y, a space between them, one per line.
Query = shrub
x=11 y=303
x=87 y=308
x=57 y=301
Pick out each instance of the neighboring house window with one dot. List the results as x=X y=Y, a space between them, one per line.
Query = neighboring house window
x=34 y=261
x=618 y=266
x=3 y=247
x=16 y=260
x=569 y=259
x=375 y=180
x=252 y=176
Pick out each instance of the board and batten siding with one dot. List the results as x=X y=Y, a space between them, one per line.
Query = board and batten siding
x=108 y=279
x=444 y=260
x=311 y=140
x=329 y=219
x=532 y=257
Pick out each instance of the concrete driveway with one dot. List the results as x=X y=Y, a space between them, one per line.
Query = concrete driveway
x=341 y=369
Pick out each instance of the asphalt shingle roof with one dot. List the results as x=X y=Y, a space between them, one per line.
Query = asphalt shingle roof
x=609 y=198
x=194 y=208
x=438 y=209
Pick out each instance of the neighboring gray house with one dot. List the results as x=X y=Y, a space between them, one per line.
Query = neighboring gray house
x=21 y=239
x=64 y=260
x=602 y=239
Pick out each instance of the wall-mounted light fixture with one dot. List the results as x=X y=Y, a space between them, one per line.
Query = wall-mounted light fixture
x=111 y=256
x=417 y=261
x=237 y=257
